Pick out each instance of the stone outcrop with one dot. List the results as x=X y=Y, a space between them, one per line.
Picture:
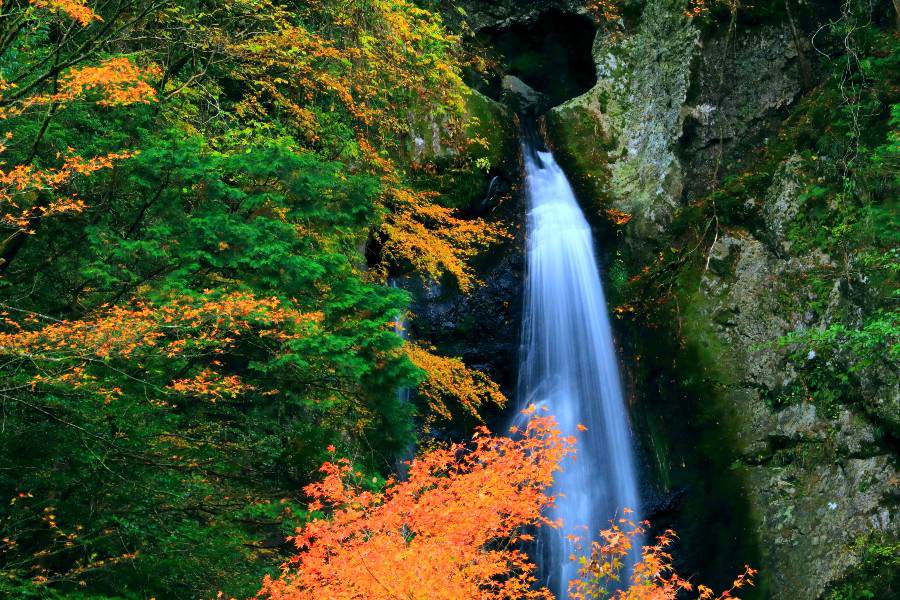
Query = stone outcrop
x=816 y=482
x=637 y=112
x=670 y=110
x=484 y=14
x=742 y=85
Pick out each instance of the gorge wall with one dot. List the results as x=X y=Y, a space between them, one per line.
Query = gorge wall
x=678 y=109
x=740 y=453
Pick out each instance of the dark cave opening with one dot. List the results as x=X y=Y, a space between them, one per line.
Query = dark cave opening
x=551 y=54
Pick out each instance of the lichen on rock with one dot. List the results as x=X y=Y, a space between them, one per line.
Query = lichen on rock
x=636 y=111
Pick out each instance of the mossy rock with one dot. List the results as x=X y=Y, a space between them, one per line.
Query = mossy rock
x=584 y=147
x=462 y=170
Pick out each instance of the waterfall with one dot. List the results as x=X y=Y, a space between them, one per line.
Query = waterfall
x=569 y=365
x=401 y=463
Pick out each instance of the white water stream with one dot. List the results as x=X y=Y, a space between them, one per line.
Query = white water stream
x=569 y=364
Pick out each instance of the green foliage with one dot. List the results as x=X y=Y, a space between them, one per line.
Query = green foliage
x=846 y=136
x=132 y=475
x=189 y=478
x=832 y=360
x=876 y=576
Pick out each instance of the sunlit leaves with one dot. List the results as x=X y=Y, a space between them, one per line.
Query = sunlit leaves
x=652 y=578
x=77 y=10
x=450 y=379
x=444 y=533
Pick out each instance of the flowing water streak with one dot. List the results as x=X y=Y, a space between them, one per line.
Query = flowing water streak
x=400 y=330
x=401 y=464
x=569 y=365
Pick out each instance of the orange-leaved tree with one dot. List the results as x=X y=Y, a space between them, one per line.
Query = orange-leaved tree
x=449 y=378
x=450 y=531
x=78 y=356
x=454 y=530
x=32 y=189
x=652 y=578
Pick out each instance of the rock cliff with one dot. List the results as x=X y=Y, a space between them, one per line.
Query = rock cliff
x=681 y=108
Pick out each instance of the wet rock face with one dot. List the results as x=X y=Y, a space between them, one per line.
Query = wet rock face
x=522 y=98
x=483 y=326
x=643 y=78
x=740 y=90
x=550 y=52
x=669 y=110
x=782 y=202
x=816 y=482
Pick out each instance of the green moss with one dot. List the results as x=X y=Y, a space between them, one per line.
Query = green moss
x=491 y=122
x=876 y=576
x=683 y=419
x=617 y=280
x=584 y=148
x=489 y=146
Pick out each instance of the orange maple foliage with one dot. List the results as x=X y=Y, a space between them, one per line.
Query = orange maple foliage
x=21 y=185
x=604 y=11
x=77 y=10
x=29 y=193
x=701 y=8
x=123 y=330
x=209 y=384
x=450 y=531
x=652 y=578
x=183 y=328
x=115 y=81
x=379 y=67
x=446 y=533
x=451 y=378
x=618 y=217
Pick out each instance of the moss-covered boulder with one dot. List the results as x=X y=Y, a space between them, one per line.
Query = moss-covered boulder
x=620 y=139
x=464 y=162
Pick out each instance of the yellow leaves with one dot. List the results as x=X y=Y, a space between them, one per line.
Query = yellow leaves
x=182 y=328
x=449 y=377
x=432 y=238
x=617 y=216
x=623 y=309
x=652 y=578
x=77 y=10
x=443 y=534
x=118 y=81
x=211 y=386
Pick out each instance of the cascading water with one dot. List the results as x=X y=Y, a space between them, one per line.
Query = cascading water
x=401 y=464
x=569 y=365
